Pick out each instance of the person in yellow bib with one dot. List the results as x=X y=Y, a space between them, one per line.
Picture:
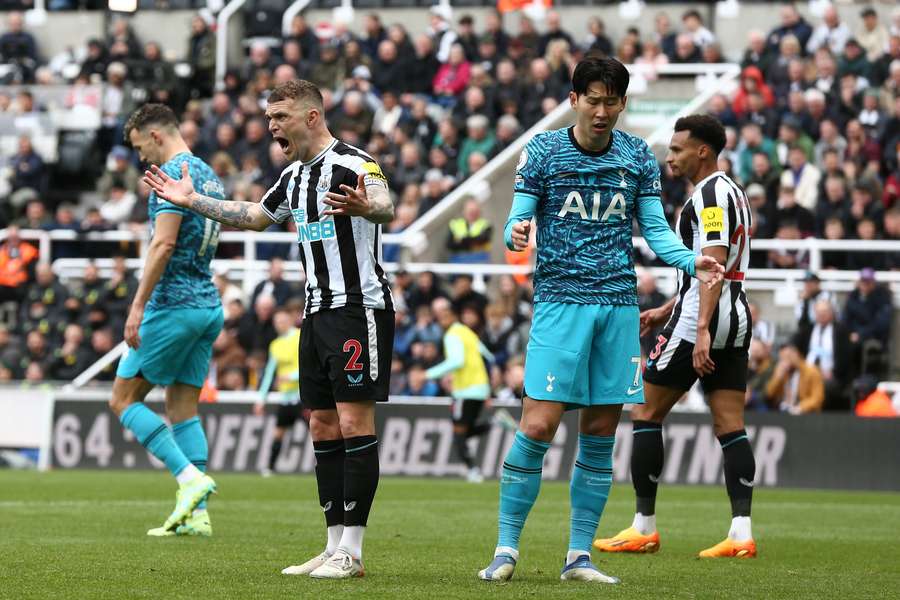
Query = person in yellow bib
x=282 y=370
x=464 y=356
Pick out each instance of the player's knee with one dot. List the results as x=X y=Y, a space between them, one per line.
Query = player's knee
x=727 y=424
x=119 y=401
x=541 y=431
x=354 y=425
x=324 y=425
x=647 y=412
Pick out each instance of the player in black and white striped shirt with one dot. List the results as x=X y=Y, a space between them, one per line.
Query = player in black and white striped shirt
x=338 y=198
x=707 y=336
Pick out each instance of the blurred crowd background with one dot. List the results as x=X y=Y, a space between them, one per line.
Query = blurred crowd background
x=813 y=135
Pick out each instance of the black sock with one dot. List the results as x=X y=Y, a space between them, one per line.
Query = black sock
x=360 y=478
x=330 y=479
x=273 y=453
x=478 y=429
x=462 y=448
x=647 y=455
x=740 y=469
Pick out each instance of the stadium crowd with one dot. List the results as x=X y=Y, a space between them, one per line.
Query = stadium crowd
x=813 y=135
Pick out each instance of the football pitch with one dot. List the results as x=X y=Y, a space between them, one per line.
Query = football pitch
x=81 y=534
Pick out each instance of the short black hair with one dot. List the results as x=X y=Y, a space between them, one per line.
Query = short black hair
x=595 y=67
x=705 y=128
x=150 y=114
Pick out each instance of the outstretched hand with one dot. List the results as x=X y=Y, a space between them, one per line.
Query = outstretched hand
x=708 y=270
x=521 y=232
x=352 y=203
x=176 y=191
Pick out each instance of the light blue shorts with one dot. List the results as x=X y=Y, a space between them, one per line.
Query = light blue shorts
x=176 y=346
x=584 y=355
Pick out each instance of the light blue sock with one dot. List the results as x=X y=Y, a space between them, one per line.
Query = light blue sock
x=191 y=438
x=153 y=434
x=520 y=483
x=591 y=480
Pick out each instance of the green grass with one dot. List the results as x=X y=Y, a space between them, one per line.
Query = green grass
x=80 y=534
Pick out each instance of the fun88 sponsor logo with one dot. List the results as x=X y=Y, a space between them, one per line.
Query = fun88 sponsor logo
x=312 y=232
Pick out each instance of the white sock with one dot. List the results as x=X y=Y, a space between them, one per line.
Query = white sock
x=507 y=550
x=572 y=555
x=645 y=524
x=740 y=529
x=334 y=538
x=187 y=474
x=352 y=539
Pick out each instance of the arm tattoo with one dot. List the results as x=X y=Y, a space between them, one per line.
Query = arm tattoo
x=234 y=213
x=382 y=207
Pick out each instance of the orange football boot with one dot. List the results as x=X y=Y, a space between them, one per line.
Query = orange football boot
x=629 y=540
x=731 y=549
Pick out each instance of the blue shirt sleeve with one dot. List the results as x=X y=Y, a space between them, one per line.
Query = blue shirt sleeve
x=523 y=208
x=530 y=169
x=660 y=238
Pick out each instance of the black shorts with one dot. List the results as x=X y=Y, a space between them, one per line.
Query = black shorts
x=466 y=412
x=345 y=356
x=670 y=364
x=288 y=414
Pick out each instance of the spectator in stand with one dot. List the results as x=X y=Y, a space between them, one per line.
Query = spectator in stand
x=118 y=206
x=796 y=386
x=788 y=209
x=508 y=130
x=479 y=138
x=756 y=54
x=867 y=314
x=752 y=142
x=72 y=358
x=831 y=33
x=752 y=81
x=664 y=35
x=275 y=285
x=763 y=211
x=255 y=330
x=28 y=169
x=830 y=139
x=834 y=204
x=43 y=302
x=829 y=349
x=418 y=384
x=453 y=76
x=881 y=68
x=119 y=170
x=201 y=57
x=36 y=351
x=35 y=216
x=17 y=262
x=788 y=259
x=329 y=70
x=464 y=296
x=863 y=203
x=764 y=116
x=469 y=240
x=19 y=49
x=803 y=177
x=693 y=26
x=686 y=51
x=596 y=38
x=872 y=36
x=891 y=193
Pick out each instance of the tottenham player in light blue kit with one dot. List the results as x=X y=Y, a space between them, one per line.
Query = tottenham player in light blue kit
x=583 y=185
x=174 y=319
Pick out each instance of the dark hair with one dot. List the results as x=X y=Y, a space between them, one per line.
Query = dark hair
x=150 y=114
x=595 y=67
x=705 y=128
x=297 y=89
x=692 y=13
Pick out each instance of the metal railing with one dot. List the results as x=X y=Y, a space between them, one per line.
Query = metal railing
x=222 y=37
